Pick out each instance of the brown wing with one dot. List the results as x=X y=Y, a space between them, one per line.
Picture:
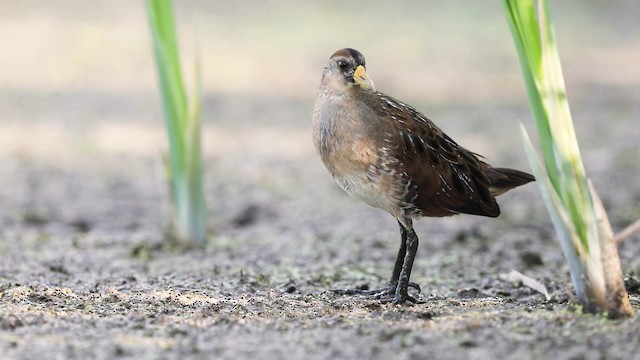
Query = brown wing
x=443 y=178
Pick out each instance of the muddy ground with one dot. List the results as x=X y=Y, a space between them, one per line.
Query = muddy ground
x=85 y=267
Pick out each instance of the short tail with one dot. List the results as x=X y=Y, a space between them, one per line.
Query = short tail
x=502 y=180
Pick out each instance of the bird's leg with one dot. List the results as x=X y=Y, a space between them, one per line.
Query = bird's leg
x=389 y=292
x=401 y=293
x=397 y=267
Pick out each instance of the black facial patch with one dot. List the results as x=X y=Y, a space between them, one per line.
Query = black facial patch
x=357 y=56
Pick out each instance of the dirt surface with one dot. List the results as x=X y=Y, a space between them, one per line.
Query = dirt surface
x=85 y=267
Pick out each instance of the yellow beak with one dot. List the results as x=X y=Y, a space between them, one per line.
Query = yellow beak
x=361 y=78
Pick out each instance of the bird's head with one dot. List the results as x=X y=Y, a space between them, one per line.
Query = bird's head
x=345 y=70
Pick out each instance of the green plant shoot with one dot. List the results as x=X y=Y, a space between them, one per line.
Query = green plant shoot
x=575 y=209
x=182 y=120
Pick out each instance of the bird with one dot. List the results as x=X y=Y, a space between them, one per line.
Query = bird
x=392 y=157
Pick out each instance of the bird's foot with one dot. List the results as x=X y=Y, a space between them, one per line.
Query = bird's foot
x=399 y=299
x=388 y=294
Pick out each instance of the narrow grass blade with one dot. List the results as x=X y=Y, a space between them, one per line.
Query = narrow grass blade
x=587 y=245
x=183 y=124
x=569 y=241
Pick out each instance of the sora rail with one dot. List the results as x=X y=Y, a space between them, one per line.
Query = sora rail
x=392 y=157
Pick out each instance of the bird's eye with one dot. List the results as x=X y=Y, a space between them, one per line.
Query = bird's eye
x=343 y=65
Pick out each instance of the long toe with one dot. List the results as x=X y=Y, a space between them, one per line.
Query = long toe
x=388 y=294
x=415 y=286
x=403 y=300
x=402 y=297
x=387 y=291
x=358 y=292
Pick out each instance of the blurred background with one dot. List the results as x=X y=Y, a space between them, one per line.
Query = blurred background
x=81 y=129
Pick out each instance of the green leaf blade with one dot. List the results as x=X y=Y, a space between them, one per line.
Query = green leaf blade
x=182 y=121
